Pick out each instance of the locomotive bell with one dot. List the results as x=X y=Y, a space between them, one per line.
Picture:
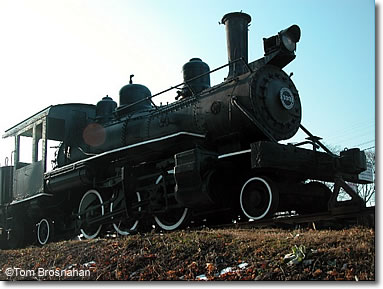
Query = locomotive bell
x=195 y=67
x=136 y=96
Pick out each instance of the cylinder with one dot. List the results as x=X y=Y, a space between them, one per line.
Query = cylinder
x=236 y=24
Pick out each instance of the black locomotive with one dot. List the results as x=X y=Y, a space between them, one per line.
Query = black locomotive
x=211 y=155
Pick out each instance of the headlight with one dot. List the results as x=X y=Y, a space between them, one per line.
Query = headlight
x=284 y=40
x=288 y=43
x=290 y=37
x=280 y=48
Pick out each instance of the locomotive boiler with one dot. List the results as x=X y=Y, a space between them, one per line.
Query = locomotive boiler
x=211 y=155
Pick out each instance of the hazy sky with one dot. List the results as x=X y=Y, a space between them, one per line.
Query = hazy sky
x=55 y=52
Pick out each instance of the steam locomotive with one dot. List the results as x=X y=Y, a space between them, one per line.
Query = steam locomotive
x=211 y=155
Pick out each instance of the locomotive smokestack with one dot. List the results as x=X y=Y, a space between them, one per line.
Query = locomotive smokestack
x=236 y=24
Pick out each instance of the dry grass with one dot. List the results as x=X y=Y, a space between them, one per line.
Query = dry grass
x=191 y=255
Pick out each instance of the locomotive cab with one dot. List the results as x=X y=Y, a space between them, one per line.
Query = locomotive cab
x=36 y=142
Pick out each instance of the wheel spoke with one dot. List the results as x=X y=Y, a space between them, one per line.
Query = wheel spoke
x=126 y=224
x=174 y=218
x=90 y=207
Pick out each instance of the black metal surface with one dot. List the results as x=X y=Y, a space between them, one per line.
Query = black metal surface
x=280 y=48
x=340 y=219
x=304 y=162
x=192 y=190
x=236 y=24
x=193 y=157
x=6 y=180
x=28 y=181
x=192 y=69
x=105 y=108
x=278 y=114
x=132 y=93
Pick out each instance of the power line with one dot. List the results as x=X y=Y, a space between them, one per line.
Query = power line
x=351 y=133
x=357 y=135
x=351 y=130
x=364 y=143
x=369 y=148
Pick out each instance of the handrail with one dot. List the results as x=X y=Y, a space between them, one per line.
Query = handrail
x=122 y=109
x=242 y=109
x=316 y=140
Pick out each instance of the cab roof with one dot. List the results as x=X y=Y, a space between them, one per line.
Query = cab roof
x=59 y=111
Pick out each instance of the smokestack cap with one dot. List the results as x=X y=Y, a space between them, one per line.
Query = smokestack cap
x=227 y=16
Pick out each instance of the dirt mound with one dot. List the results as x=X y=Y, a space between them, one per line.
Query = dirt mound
x=223 y=254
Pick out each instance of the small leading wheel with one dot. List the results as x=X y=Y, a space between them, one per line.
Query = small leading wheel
x=317 y=196
x=44 y=231
x=173 y=218
x=90 y=207
x=258 y=198
x=126 y=224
